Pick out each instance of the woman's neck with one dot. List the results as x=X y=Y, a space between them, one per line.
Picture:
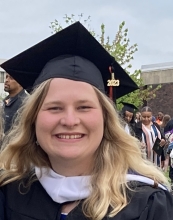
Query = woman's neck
x=69 y=168
x=148 y=125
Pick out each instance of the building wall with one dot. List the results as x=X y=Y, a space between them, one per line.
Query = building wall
x=160 y=74
x=157 y=76
x=163 y=100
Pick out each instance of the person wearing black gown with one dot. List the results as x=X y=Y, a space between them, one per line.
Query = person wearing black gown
x=68 y=156
x=127 y=113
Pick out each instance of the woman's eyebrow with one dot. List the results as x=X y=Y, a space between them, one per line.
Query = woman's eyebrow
x=52 y=102
x=58 y=102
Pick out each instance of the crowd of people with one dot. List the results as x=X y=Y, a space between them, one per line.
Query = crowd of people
x=147 y=128
x=68 y=154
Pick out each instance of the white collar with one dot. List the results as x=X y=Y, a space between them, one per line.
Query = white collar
x=65 y=189
x=143 y=179
x=127 y=129
x=62 y=189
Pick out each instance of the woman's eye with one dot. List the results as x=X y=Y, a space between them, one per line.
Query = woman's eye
x=54 y=108
x=84 y=107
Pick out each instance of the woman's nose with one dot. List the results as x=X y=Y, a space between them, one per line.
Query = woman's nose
x=70 y=119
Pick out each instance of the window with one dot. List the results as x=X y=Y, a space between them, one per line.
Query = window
x=2 y=76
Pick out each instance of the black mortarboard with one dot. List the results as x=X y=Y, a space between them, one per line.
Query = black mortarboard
x=128 y=107
x=72 y=53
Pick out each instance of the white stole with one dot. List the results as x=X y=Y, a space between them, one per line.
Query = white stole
x=65 y=189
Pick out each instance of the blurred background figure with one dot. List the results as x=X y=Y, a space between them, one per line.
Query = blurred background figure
x=159 y=118
x=13 y=101
x=147 y=132
x=153 y=119
x=169 y=137
x=127 y=114
x=166 y=119
x=165 y=162
x=137 y=117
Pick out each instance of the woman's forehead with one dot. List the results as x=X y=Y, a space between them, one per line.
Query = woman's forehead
x=60 y=88
x=146 y=113
x=129 y=113
x=68 y=84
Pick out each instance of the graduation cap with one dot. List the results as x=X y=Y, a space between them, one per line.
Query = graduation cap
x=129 y=107
x=72 y=53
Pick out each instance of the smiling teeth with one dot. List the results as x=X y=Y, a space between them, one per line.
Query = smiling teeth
x=69 y=136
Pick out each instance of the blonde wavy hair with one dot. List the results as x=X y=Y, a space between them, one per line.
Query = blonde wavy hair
x=117 y=154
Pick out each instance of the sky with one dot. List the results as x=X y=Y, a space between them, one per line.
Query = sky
x=23 y=23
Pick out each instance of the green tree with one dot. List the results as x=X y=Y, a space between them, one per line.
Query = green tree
x=122 y=50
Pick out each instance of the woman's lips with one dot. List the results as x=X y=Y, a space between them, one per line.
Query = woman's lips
x=69 y=136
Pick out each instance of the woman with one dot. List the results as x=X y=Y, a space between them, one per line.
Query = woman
x=165 y=121
x=127 y=113
x=159 y=119
x=147 y=132
x=169 y=137
x=68 y=156
x=138 y=117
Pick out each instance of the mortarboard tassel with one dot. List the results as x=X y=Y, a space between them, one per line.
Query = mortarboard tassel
x=112 y=83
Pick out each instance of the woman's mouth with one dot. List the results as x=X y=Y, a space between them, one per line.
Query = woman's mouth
x=69 y=136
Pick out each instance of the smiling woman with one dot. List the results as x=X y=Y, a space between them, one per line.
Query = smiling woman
x=147 y=132
x=72 y=127
x=68 y=157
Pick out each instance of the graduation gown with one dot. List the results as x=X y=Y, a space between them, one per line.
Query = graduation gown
x=147 y=203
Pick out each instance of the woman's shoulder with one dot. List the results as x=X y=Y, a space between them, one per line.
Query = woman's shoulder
x=156 y=125
x=20 y=199
x=147 y=203
x=156 y=202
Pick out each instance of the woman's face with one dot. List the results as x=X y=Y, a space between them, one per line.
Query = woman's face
x=146 y=117
x=137 y=116
x=128 y=116
x=69 y=125
x=160 y=115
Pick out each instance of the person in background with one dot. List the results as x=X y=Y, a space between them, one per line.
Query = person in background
x=169 y=137
x=13 y=101
x=165 y=162
x=137 y=117
x=147 y=132
x=159 y=118
x=68 y=157
x=127 y=113
x=153 y=119
x=171 y=169
x=166 y=119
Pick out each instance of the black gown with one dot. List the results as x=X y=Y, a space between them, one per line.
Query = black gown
x=147 y=203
